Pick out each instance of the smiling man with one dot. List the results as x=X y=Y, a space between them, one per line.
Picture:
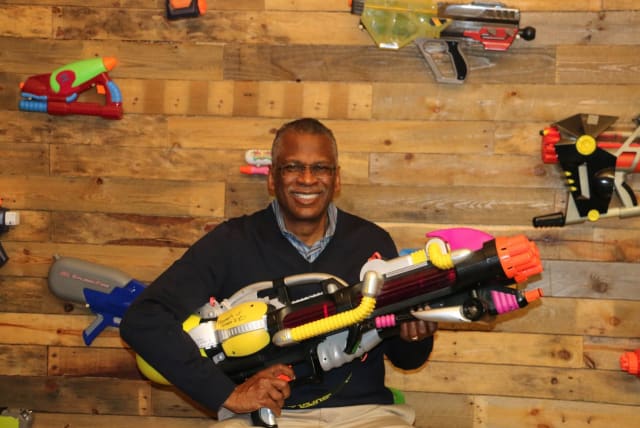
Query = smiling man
x=301 y=231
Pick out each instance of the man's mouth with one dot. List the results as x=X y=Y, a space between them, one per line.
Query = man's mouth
x=305 y=196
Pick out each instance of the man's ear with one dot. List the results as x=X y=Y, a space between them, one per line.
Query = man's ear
x=338 y=182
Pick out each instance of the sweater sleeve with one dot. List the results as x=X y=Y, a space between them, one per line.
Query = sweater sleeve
x=152 y=326
x=408 y=355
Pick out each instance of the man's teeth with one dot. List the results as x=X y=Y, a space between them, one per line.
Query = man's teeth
x=306 y=195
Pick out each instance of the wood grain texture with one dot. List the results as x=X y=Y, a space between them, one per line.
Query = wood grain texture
x=415 y=156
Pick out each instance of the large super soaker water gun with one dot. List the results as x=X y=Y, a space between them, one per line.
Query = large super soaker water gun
x=440 y=27
x=462 y=275
x=57 y=93
x=596 y=163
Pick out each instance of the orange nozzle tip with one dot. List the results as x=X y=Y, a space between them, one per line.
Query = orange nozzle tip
x=109 y=62
x=629 y=362
x=532 y=295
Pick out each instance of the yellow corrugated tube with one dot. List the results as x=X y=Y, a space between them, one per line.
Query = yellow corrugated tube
x=371 y=286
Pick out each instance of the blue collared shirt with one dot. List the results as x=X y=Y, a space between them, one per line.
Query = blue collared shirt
x=310 y=253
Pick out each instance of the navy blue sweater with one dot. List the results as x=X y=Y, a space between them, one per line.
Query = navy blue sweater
x=237 y=253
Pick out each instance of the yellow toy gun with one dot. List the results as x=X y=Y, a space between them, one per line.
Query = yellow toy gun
x=437 y=27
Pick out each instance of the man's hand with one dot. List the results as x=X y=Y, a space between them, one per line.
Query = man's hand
x=267 y=388
x=415 y=331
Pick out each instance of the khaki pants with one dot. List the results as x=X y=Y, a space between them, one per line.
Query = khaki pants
x=365 y=416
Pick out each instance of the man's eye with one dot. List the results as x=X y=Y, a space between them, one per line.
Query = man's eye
x=291 y=168
x=321 y=169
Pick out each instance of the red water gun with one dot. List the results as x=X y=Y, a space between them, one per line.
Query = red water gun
x=596 y=163
x=57 y=93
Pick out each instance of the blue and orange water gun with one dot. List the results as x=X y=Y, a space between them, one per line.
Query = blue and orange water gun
x=57 y=93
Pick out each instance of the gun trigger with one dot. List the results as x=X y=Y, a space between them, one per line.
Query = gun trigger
x=101 y=89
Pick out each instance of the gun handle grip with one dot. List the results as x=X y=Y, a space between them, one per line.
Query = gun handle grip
x=549 y=220
x=94 y=329
x=264 y=417
x=459 y=63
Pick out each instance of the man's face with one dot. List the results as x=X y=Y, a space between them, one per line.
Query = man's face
x=304 y=177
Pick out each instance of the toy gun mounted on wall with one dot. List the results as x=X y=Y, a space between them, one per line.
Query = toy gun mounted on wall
x=57 y=92
x=7 y=218
x=437 y=27
x=106 y=291
x=177 y=9
x=596 y=163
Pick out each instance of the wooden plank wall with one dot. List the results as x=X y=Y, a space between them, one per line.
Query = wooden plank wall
x=416 y=156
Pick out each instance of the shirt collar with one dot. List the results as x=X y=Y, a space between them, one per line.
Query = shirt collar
x=310 y=253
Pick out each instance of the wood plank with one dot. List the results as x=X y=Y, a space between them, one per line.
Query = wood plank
x=463 y=170
x=92 y=362
x=383 y=136
x=593 y=280
x=28 y=22
x=578 y=28
x=521 y=381
x=145 y=163
x=590 y=64
x=19 y=128
x=89 y=396
x=115 y=195
x=592 y=317
x=308 y=5
x=460 y=205
x=507 y=412
x=150 y=4
x=144 y=263
x=406 y=101
x=135 y=59
x=441 y=410
x=15 y=159
x=62 y=419
x=23 y=360
x=56 y=330
x=128 y=229
x=340 y=63
x=29 y=295
x=219 y=26
x=508 y=348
